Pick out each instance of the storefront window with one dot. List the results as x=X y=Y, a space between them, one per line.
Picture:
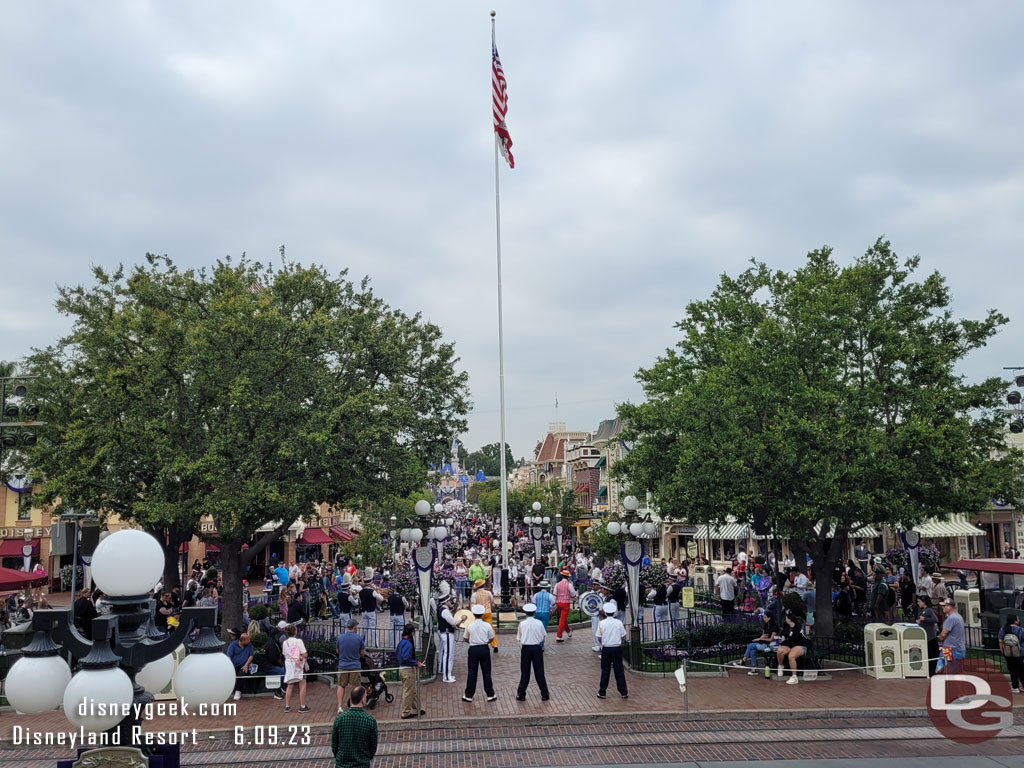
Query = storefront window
x=25 y=506
x=716 y=549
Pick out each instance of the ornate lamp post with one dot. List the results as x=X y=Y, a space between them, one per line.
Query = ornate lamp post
x=128 y=660
x=424 y=557
x=536 y=532
x=632 y=555
x=559 y=531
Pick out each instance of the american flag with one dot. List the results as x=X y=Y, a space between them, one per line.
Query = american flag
x=500 y=98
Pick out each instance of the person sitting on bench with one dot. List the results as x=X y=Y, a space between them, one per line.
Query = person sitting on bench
x=793 y=645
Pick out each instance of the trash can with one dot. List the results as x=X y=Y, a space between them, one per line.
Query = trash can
x=913 y=649
x=704 y=578
x=882 y=652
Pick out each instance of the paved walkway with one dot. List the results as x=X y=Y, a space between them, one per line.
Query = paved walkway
x=572 y=671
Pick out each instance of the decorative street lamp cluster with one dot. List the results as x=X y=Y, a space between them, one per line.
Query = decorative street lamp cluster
x=438 y=531
x=128 y=660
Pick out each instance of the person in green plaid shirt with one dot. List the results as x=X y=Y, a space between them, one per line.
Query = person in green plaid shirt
x=354 y=736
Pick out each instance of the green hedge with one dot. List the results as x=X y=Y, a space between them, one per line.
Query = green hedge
x=258 y=612
x=716 y=634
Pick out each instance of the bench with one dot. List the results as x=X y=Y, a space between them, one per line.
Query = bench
x=811 y=660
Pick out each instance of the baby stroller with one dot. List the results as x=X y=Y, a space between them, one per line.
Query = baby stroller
x=375 y=685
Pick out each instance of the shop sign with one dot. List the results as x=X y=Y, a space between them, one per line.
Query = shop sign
x=19 y=533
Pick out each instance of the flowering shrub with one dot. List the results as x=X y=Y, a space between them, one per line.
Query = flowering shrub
x=614 y=574
x=405 y=584
x=653 y=576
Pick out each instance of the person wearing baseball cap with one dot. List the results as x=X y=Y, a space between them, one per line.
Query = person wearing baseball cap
x=952 y=641
x=611 y=633
x=478 y=634
x=531 y=634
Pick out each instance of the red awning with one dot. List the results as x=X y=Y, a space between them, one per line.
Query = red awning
x=12 y=547
x=12 y=579
x=210 y=547
x=990 y=565
x=314 y=537
x=342 y=534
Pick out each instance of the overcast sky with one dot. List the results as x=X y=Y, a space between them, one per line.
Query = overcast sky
x=657 y=145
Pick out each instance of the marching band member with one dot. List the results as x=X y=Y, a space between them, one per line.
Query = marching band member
x=478 y=634
x=531 y=634
x=485 y=599
x=446 y=626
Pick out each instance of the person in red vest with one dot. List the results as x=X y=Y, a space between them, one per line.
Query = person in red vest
x=564 y=593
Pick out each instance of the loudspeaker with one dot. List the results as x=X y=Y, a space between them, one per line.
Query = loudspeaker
x=90 y=539
x=62 y=537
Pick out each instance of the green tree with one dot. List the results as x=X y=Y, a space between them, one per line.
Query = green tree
x=244 y=392
x=829 y=397
x=601 y=542
x=476 y=489
x=488 y=458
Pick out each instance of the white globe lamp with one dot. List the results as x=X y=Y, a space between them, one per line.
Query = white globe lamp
x=415 y=535
x=404 y=534
x=204 y=679
x=650 y=528
x=527 y=520
x=536 y=506
x=630 y=503
x=440 y=532
x=438 y=509
x=614 y=528
x=422 y=508
x=636 y=529
x=36 y=684
x=107 y=691
x=546 y=519
x=128 y=562
x=155 y=676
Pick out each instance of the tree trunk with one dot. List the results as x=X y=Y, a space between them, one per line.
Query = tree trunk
x=231 y=597
x=825 y=553
x=799 y=549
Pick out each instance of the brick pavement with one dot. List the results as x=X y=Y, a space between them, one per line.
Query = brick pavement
x=454 y=732
x=572 y=671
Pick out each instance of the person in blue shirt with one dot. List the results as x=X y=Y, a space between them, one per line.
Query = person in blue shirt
x=407 y=670
x=282 y=574
x=240 y=652
x=543 y=600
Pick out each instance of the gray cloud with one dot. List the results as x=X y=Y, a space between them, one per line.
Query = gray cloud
x=657 y=146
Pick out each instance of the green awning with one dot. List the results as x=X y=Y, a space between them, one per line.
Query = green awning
x=603 y=491
x=600 y=462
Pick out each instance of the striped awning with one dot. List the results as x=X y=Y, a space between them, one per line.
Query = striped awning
x=728 y=531
x=602 y=492
x=957 y=525
x=866 y=532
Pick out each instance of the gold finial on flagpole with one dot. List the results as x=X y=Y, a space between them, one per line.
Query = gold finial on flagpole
x=493 y=14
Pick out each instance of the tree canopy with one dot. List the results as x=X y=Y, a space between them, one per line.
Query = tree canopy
x=488 y=458
x=243 y=392
x=829 y=397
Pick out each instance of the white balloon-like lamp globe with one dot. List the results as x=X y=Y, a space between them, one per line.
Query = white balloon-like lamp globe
x=36 y=684
x=649 y=528
x=109 y=691
x=128 y=562
x=614 y=528
x=422 y=508
x=204 y=679
x=155 y=676
x=546 y=519
x=415 y=535
x=438 y=509
x=404 y=534
x=636 y=529
x=536 y=506
x=630 y=503
x=440 y=532
x=526 y=519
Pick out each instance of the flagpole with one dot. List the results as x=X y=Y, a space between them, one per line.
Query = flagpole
x=501 y=360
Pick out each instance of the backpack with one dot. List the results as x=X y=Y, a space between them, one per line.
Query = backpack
x=1011 y=645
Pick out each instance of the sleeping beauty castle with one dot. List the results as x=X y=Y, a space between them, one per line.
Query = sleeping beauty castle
x=449 y=481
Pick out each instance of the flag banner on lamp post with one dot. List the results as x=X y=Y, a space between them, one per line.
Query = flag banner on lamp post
x=912 y=543
x=538 y=536
x=632 y=554
x=423 y=558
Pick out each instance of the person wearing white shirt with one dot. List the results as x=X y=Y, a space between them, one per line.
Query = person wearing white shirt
x=742 y=556
x=479 y=634
x=725 y=588
x=611 y=633
x=531 y=634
